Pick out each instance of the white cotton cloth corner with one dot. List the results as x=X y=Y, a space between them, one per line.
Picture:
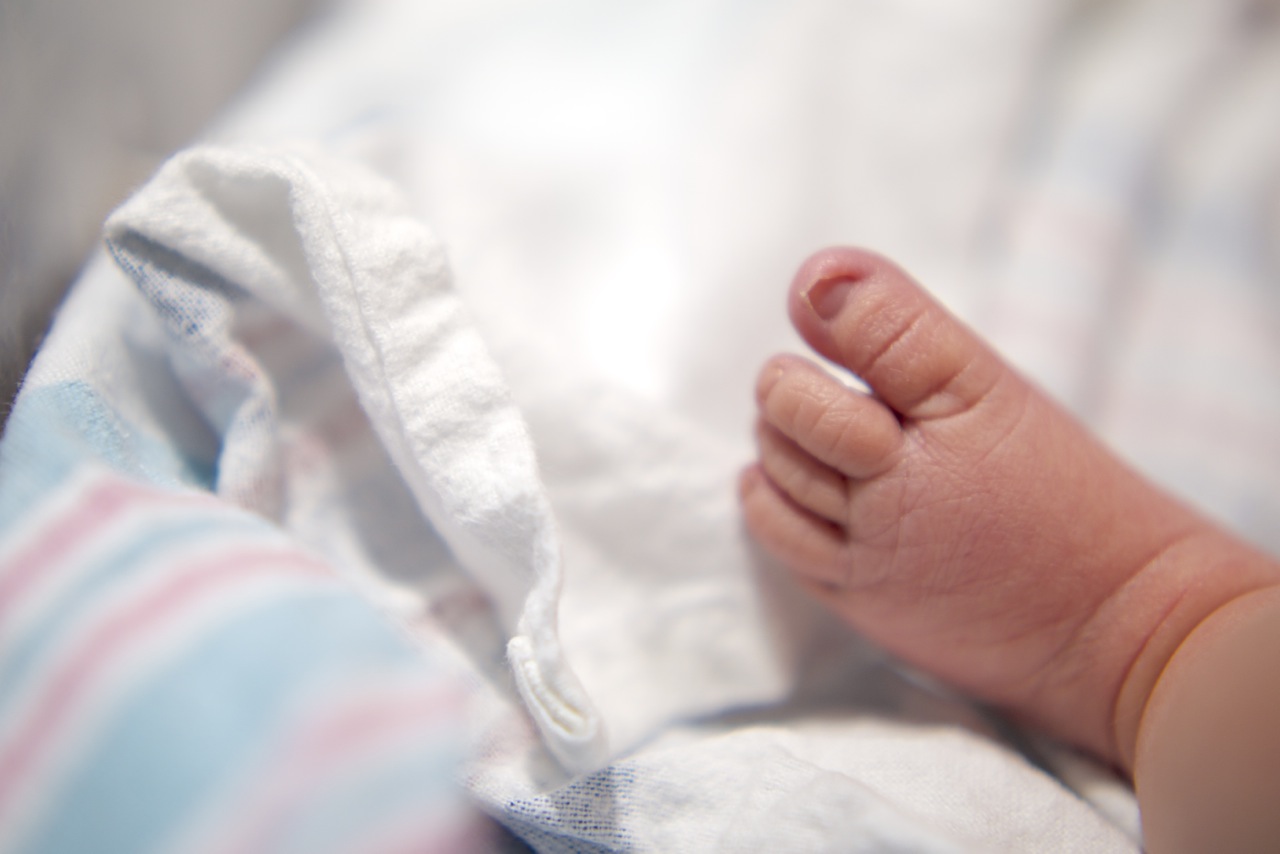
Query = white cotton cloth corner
x=289 y=248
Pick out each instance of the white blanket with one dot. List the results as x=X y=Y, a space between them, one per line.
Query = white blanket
x=621 y=193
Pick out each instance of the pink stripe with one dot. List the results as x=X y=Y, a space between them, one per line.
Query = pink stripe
x=345 y=734
x=100 y=505
x=132 y=623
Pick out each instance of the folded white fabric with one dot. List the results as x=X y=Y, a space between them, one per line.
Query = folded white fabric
x=263 y=263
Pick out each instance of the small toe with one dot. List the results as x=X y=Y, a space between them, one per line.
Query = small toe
x=815 y=486
x=805 y=543
x=840 y=427
x=864 y=313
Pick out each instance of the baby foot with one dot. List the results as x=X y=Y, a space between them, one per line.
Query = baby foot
x=959 y=518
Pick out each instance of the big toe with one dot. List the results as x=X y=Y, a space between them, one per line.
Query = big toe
x=863 y=312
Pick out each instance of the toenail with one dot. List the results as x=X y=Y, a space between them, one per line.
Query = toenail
x=827 y=296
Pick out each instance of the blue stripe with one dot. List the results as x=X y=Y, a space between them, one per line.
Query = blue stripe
x=202 y=719
x=55 y=430
x=117 y=568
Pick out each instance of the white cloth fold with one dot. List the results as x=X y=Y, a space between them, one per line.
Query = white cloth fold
x=298 y=252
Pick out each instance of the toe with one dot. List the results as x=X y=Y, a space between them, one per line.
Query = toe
x=840 y=427
x=816 y=487
x=805 y=543
x=863 y=312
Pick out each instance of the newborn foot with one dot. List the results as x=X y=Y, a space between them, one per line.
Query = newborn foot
x=960 y=519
